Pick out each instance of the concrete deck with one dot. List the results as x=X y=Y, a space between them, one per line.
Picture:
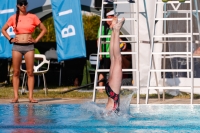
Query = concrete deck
x=79 y=101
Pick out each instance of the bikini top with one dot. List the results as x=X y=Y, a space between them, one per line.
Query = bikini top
x=26 y=23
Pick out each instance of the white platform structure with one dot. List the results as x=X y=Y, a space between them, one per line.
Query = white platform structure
x=186 y=39
x=134 y=41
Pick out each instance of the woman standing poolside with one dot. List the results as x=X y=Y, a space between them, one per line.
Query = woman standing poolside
x=23 y=24
x=113 y=85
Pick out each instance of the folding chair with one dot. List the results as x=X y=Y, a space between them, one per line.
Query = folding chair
x=39 y=69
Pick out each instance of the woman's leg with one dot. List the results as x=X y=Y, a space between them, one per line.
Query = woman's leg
x=29 y=59
x=16 y=59
x=116 y=77
x=116 y=62
x=110 y=102
x=111 y=52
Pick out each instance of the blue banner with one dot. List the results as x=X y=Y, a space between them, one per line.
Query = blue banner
x=69 y=29
x=7 y=8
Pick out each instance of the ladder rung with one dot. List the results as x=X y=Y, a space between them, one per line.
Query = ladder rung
x=105 y=36
x=119 y=2
x=123 y=70
x=196 y=56
x=196 y=34
x=179 y=11
x=175 y=41
x=129 y=87
x=173 y=35
x=173 y=19
x=100 y=87
x=171 y=88
x=107 y=42
x=169 y=2
x=118 y=19
x=178 y=53
x=128 y=53
x=129 y=70
x=148 y=42
x=128 y=12
x=171 y=70
x=180 y=56
x=123 y=53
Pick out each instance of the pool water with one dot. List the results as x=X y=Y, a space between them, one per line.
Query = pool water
x=90 y=118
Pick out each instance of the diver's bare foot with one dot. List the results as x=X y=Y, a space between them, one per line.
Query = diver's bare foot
x=119 y=25
x=114 y=22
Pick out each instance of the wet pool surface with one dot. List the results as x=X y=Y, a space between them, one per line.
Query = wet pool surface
x=89 y=117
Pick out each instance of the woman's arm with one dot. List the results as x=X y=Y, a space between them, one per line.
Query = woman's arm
x=124 y=47
x=43 y=31
x=4 y=32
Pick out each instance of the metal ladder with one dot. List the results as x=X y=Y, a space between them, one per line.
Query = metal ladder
x=134 y=43
x=188 y=36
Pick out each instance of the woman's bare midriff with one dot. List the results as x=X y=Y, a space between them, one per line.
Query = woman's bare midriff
x=23 y=38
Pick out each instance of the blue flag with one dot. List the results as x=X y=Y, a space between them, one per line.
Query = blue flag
x=69 y=29
x=7 y=8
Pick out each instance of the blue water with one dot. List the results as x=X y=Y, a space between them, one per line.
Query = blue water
x=90 y=118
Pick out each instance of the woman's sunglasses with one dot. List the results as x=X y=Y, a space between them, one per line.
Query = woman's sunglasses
x=23 y=3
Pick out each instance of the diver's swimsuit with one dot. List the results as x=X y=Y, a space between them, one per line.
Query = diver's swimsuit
x=114 y=96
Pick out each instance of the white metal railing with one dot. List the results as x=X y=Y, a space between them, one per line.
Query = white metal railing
x=134 y=42
x=189 y=41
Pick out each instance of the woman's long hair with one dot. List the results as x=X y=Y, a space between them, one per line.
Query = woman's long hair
x=17 y=17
